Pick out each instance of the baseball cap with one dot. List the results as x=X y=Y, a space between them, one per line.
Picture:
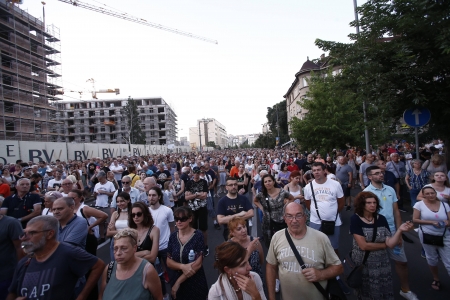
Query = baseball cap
x=196 y=170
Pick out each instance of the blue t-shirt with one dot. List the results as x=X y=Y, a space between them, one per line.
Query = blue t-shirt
x=54 y=278
x=75 y=232
x=10 y=229
x=387 y=197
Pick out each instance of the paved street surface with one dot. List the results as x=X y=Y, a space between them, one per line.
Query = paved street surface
x=419 y=275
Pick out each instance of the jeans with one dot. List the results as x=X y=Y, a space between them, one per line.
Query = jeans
x=413 y=194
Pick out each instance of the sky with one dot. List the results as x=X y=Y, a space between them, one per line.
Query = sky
x=261 y=45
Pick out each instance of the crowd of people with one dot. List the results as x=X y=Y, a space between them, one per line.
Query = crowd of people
x=155 y=211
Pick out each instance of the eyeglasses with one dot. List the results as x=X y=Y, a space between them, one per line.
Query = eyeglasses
x=31 y=233
x=297 y=217
x=232 y=184
x=182 y=219
x=138 y=214
x=125 y=182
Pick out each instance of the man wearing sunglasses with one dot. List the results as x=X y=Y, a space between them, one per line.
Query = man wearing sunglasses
x=126 y=187
x=54 y=269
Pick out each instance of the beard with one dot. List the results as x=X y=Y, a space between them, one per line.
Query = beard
x=29 y=247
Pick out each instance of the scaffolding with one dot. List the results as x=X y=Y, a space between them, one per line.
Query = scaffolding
x=30 y=75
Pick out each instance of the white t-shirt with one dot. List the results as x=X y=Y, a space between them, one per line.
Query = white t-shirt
x=326 y=197
x=117 y=176
x=162 y=216
x=53 y=183
x=427 y=214
x=102 y=199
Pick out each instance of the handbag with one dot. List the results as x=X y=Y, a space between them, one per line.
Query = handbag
x=353 y=272
x=333 y=290
x=273 y=226
x=326 y=227
x=434 y=240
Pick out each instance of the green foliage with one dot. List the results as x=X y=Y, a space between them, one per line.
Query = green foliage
x=266 y=140
x=282 y=121
x=400 y=59
x=131 y=113
x=211 y=144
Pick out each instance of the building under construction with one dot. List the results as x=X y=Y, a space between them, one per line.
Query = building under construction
x=30 y=75
x=104 y=121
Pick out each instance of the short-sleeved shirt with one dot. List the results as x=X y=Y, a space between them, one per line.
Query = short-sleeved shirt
x=10 y=229
x=316 y=251
x=53 y=183
x=326 y=195
x=21 y=207
x=161 y=177
x=197 y=187
x=307 y=166
x=54 y=278
x=387 y=197
x=398 y=169
x=162 y=217
x=102 y=199
x=427 y=214
x=75 y=232
x=342 y=173
x=362 y=170
x=228 y=207
x=276 y=205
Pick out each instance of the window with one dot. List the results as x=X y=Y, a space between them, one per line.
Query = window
x=7 y=80
x=33 y=47
x=6 y=60
x=305 y=82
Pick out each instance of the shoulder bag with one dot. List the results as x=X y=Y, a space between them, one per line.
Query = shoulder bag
x=353 y=272
x=434 y=240
x=326 y=227
x=91 y=239
x=333 y=290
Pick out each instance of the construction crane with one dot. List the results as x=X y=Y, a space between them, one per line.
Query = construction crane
x=135 y=20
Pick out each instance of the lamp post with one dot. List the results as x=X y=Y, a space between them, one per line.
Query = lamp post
x=366 y=130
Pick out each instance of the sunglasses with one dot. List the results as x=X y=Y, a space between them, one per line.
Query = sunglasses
x=181 y=219
x=138 y=214
x=125 y=182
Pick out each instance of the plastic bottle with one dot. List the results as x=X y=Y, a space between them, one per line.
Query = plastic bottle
x=397 y=250
x=191 y=256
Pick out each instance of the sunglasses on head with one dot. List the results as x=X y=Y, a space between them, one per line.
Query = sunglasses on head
x=181 y=219
x=138 y=214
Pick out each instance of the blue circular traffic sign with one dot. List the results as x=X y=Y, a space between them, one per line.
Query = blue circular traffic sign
x=417 y=117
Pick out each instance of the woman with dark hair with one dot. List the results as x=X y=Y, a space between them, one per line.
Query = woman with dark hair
x=119 y=218
x=294 y=188
x=441 y=185
x=283 y=175
x=271 y=201
x=236 y=281
x=91 y=178
x=433 y=217
x=377 y=276
x=242 y=180
x=185 y=258
x=148 y=234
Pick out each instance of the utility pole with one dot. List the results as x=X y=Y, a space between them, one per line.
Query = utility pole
x=205 y=124
x=366 y=130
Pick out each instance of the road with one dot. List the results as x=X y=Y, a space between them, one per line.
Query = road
x=419 y=275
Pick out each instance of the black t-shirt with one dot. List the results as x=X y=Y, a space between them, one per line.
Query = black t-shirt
x=21 y=207
x=197 y=187
x=211 y=173
x=161 y=177
x=54 y=278
x=228 y=207
x=307 y=166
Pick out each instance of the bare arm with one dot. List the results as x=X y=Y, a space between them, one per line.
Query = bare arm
x=271 y=275
x=99 y=215
x=103 y=283
x=91 y=282
x=366 y=246
x=243 y=214
x=314 y=275
x=150 y=255
x=172 y=226
x=153 y=284
x=258 y=204
x=397 y=216
x=111 y=231
x=341 y=203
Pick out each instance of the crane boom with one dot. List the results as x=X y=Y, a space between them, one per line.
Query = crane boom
x=135 y=20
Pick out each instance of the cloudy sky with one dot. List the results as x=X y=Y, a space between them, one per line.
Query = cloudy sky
x=261 y=45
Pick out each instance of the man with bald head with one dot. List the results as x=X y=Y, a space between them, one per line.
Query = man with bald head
x=320 y=261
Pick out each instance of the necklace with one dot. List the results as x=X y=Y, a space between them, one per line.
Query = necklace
x=370 y=221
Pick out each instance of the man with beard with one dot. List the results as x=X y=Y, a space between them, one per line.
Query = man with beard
x=195 y=195
x=52 y=268
x=233 y=205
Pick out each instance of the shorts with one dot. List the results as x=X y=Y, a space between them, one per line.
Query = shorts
x=200 y=219
x=397 y=257
x=346 y=190
x=106 y=210
x=334 y=239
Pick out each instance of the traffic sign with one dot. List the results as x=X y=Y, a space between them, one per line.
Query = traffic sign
x=417 y=117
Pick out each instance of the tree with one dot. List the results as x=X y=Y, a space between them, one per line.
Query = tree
x=135 y=134
x=280 y=120
x=400 y=59
x=211 y=144
x=266 y=140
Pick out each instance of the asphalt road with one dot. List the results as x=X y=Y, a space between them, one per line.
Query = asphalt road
x=419 y=275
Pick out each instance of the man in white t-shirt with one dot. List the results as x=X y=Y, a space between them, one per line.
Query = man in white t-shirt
x=117 y=170
x=102 y=191
x=55 y=183
x=330 y=201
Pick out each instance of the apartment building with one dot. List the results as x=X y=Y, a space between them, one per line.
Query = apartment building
x=30 y=75
x=103 y=121
x=210 y=130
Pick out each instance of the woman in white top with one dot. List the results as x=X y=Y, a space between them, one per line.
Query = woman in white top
x=294 y=188
x=441 y=186
x=433 y=217
x=49 y=198
x=119 y=218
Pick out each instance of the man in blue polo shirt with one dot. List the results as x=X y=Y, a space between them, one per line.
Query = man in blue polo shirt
x=389 y=209
x=72 y=229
